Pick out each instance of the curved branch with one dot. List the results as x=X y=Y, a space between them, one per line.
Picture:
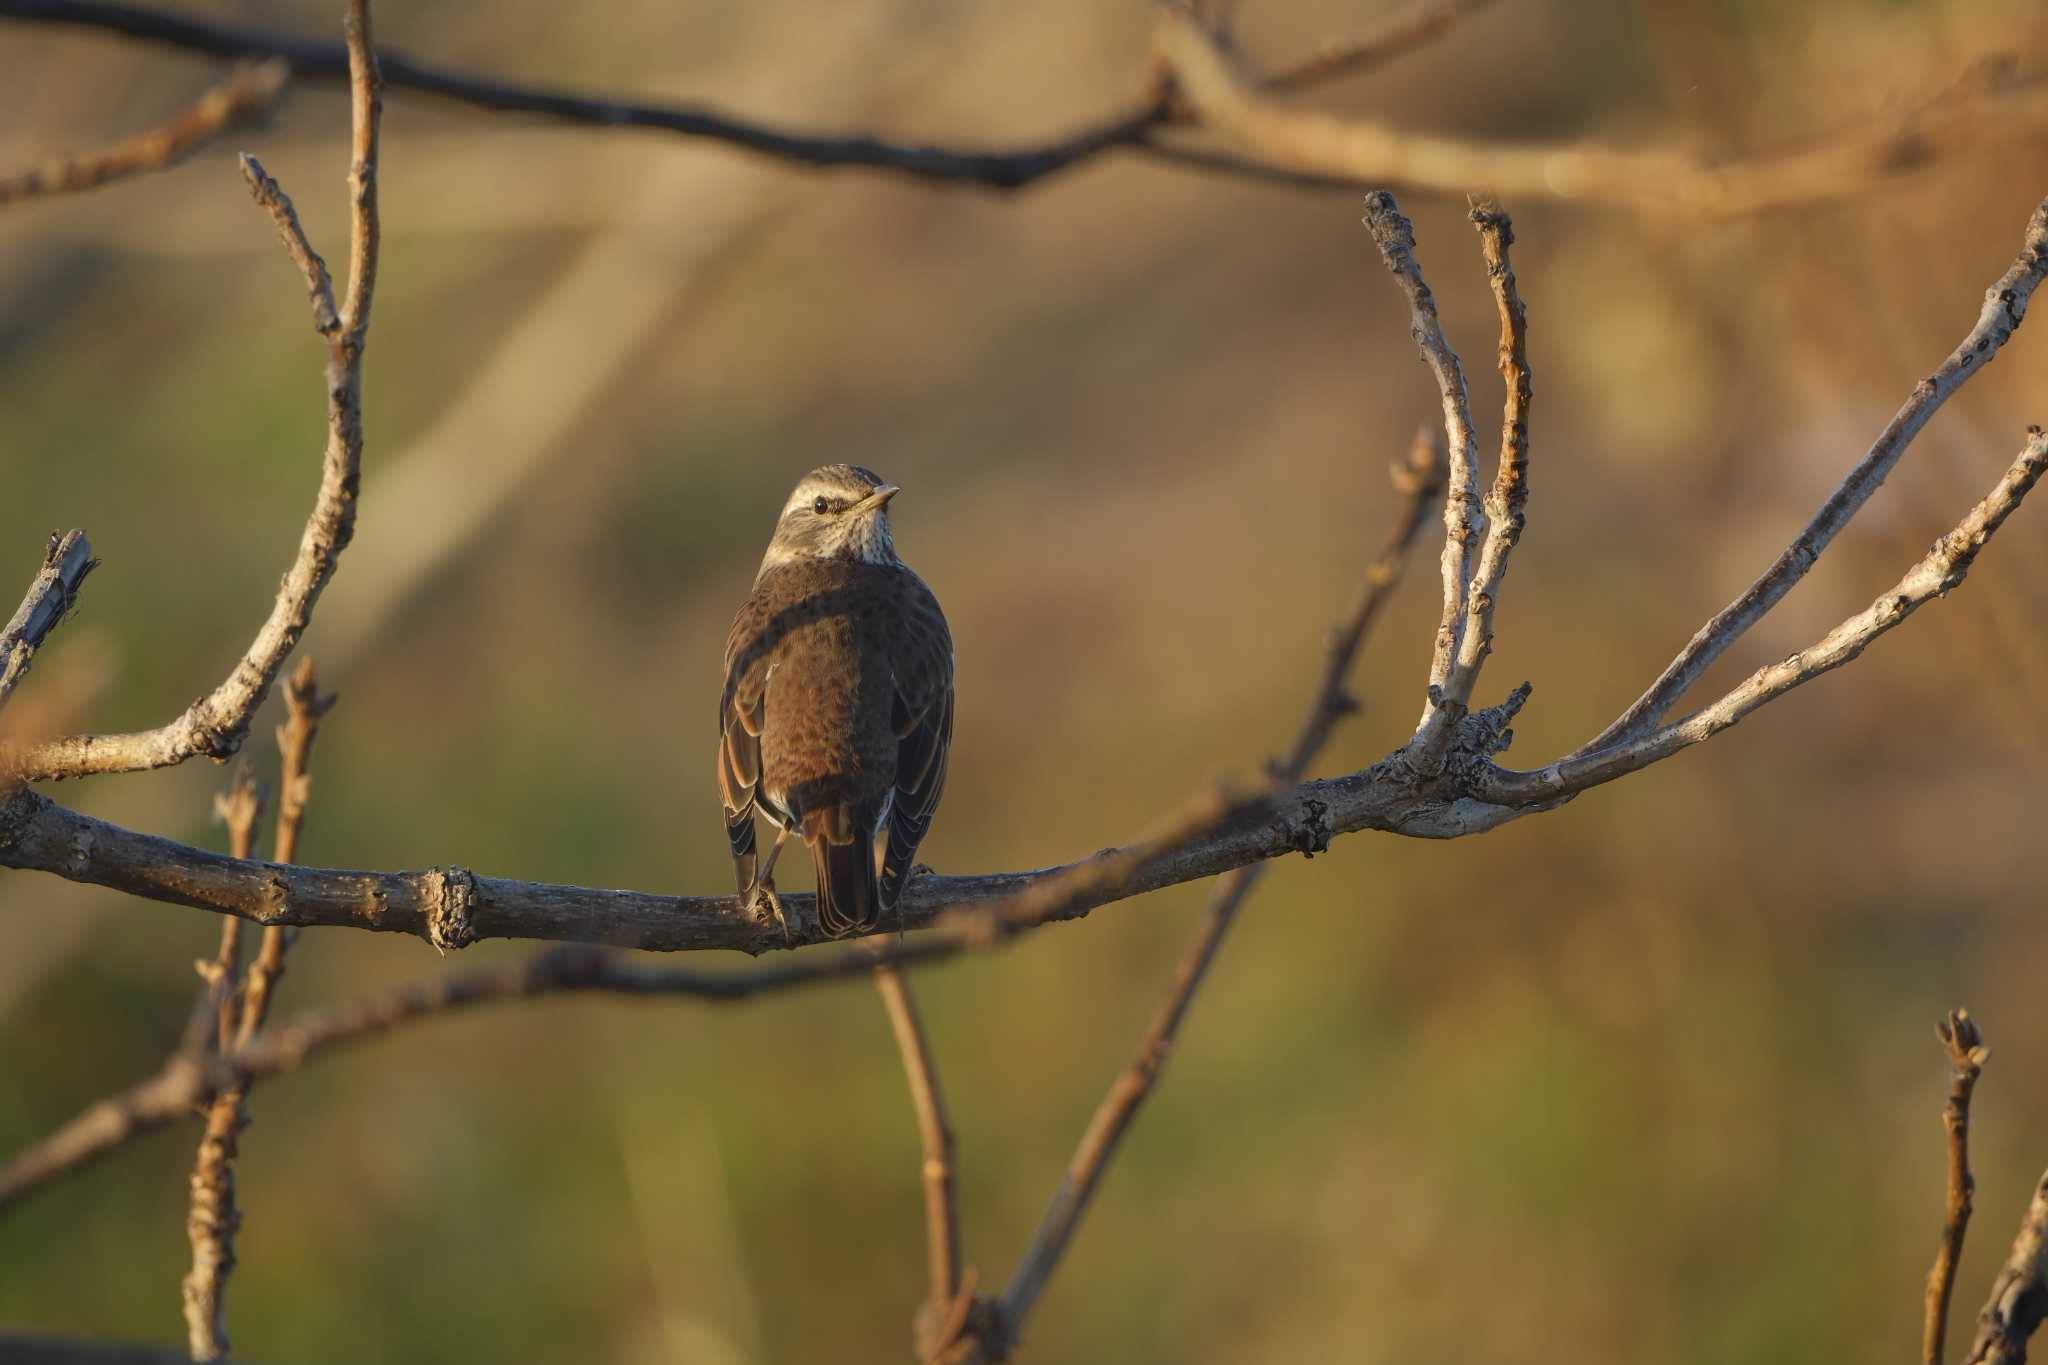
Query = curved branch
x=1012 y=168
x=217 y=723
x=1327 y=149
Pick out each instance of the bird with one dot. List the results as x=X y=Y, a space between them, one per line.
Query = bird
x=836 y=718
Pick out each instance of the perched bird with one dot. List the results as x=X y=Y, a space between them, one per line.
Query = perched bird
x=837 y=711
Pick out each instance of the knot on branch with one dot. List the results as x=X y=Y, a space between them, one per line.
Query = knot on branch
x=1309 y=833
x=206 y=735
x=18 y=808
x=451 y=897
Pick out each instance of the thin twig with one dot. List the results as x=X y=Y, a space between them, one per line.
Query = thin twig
x=1327 y=149
x=1335 y=58
x=272 y=199
x=935 y=1136
x=304 y=708
x=1504 y=501
x=244 y=95
x=2019 y=1294
x=239 y=808
x=216 y=724
x=1940 y=572
x=1967 y=1055
x=2005 y=307
x=1417 y=481
x=1463 y=522
x=51 y=594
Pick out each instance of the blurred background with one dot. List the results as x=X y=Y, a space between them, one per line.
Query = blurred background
x=1654 y=1075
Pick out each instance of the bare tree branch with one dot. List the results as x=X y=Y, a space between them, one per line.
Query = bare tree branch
x=214 y=1218
x=246 y=94
x=1463 y=522
x=1325 y=149
x=32 y=1348
x=1510 y=491
x=2019 y=1294
x=2005 y=307
x=1126 y=129
x=935 y=1136
x=67 y=559
x=452 y=906
x=1417 y=481
x=1936 y=575
x=216 y=724
x=1335 y=58
x=1967 y=1055
x=304 y=708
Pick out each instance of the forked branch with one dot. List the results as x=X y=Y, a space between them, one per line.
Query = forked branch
x=217 y=723
x=1417 y=482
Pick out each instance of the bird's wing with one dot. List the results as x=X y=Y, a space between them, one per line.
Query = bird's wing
x=923 y=716
x=740 y=710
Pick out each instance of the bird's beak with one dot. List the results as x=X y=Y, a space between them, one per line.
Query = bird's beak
x=877 y=500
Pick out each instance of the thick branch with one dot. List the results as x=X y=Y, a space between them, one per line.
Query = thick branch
x=2019 y=1295
x=216 y=724
x=242 y=96
x=1330 y=150
x=51 y=594
x=30 y=1348
x=1966 y=1055
x=2005 y=307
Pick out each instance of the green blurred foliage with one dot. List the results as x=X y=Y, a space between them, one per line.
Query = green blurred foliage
x=1650 y=1078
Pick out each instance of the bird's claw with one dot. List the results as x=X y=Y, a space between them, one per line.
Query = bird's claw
x=762 y=902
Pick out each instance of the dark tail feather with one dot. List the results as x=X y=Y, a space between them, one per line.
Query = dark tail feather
x=848 y=900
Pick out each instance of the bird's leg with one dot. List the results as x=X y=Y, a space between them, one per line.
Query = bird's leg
x=764 y=887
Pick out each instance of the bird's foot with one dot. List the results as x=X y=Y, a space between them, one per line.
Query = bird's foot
x=763 y=903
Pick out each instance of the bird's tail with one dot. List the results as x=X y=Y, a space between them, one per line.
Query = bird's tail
x=843 y=856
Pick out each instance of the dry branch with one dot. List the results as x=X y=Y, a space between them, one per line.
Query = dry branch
x=216 y=724
x=67 y=559
x=942 y=1301
x=1325 y=149
x=1272 y=141
x=1463 y=523
x=2019 y=1294
x=452 y=906
x=1936 y=575
x=1966 y=1055
x=1128 y=128
x=1417 y=481
x=244 y=95
x=304 y=708
x=2005 y=307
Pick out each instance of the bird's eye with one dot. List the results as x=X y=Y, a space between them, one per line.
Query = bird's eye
x=822 y=506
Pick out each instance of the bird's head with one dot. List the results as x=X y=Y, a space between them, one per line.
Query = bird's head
x=838 y=512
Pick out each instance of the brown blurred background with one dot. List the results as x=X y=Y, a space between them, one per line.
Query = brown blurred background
x=1652 y=1078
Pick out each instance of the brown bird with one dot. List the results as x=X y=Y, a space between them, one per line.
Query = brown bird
x=837 y=712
